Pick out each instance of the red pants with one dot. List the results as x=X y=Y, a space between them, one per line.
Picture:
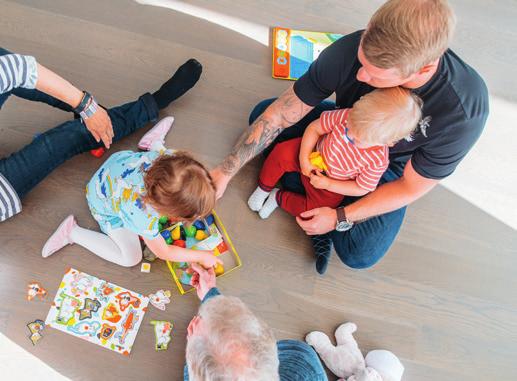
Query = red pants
x=285 y=158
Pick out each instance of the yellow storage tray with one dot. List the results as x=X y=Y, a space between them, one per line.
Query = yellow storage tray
x=230 y=257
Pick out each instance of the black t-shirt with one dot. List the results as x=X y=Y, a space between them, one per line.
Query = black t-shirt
x=454 y=111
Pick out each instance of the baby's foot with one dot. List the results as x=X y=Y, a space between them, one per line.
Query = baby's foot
x=257 y=199
x=270 y=205
x=183 y=80
x=156 y=134
x=60 y=238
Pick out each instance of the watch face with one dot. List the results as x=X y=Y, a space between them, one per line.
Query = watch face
x=343 y=226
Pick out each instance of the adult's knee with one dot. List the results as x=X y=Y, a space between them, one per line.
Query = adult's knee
x=259 y=109
x=358 y=254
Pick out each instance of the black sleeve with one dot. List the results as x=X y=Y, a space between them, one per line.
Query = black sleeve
x=327 y=72
x=440 y=158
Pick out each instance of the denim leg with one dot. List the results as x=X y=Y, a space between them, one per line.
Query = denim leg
x=32 y=94
x=291 y=181
x=367 y=242
x=27 y=167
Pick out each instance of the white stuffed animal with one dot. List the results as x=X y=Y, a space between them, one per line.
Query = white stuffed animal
x=346 y=360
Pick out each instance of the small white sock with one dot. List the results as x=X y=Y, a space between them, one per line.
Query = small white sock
x=270 y=205
x=257 y=199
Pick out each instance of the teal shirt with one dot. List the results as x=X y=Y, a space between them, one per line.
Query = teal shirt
x=297 y=360
x=115 y=193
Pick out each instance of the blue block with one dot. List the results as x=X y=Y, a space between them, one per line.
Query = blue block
x=199 y=225
x=166 y=234
x=210 y=219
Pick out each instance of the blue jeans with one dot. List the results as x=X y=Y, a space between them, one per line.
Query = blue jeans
x=25 y=168
x=367 y=242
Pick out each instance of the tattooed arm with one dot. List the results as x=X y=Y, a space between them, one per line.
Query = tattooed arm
x=282 y=113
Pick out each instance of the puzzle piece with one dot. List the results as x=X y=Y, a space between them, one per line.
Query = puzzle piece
x=106 y=331
x=36 y=327
x=160 y=299
x=90 y=305
x=127 y=325
x=111 y=313
x=34 y=289
x=69 y=305
x=146 y=267
x=85 y=328
x=162 y=333
x=125 y=299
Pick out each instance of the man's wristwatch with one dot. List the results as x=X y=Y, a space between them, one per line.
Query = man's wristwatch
x=343 y=224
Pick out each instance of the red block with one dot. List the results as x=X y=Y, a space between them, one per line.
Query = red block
x=180 y=243
x=98 y=152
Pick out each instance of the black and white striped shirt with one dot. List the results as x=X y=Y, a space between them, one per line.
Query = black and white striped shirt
x=15 y=71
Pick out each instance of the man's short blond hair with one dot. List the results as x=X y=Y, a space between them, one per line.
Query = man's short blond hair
x=237 y=347
x=385 y=116
x=408 y=34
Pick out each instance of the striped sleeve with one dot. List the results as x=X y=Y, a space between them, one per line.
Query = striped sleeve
x=331 y=119
x=10 y=203
x=371 y=174
x=17 y=71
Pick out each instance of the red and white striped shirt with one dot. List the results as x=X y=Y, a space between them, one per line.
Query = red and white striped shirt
x=344 y=160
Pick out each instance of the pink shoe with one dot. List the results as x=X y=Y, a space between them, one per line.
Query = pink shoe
x=60 y=238
x=157 y=133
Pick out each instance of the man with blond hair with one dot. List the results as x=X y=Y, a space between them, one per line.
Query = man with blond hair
x=227 y=342
x=405 y=44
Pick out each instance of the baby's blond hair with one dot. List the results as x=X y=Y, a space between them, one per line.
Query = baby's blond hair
x=385 y=116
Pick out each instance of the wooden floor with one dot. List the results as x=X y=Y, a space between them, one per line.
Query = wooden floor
x=445 y=296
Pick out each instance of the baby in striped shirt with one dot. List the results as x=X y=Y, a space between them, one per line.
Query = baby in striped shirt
x=354 y=147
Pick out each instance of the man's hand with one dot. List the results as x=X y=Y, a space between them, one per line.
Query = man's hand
x=318 y=221
x=220 y=180
x=319 y=180
x=99 y=125
x=202 y=280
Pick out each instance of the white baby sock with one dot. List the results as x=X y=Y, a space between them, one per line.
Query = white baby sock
x=270 y=205
x=257 y=199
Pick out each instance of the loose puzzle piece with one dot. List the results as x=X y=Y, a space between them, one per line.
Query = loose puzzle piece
x=36 y=327
x=146 y=267
x=160 y=299
x=162 y=333
x=34 y=289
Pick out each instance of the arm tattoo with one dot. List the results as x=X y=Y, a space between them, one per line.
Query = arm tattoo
x=287 y=110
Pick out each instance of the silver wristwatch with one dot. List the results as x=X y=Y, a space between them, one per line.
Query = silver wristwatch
x=343 y=224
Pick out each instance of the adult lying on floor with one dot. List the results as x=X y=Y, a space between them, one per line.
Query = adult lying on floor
x=94 y=127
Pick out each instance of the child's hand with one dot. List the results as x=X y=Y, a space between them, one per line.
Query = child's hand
x=306 y=166
x=319 y=180
x=209 y=260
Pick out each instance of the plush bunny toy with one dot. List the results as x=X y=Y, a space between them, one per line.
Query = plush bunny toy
x=346 y=360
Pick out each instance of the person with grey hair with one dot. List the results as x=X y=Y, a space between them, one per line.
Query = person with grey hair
x=227 y=342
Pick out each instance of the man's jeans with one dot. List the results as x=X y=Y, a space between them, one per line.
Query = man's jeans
x=367 y=242
x=25 y=168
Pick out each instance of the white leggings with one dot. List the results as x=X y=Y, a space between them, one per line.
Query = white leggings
x=120 y=246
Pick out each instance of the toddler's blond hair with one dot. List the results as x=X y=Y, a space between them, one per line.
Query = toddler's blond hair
x=385 y=116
